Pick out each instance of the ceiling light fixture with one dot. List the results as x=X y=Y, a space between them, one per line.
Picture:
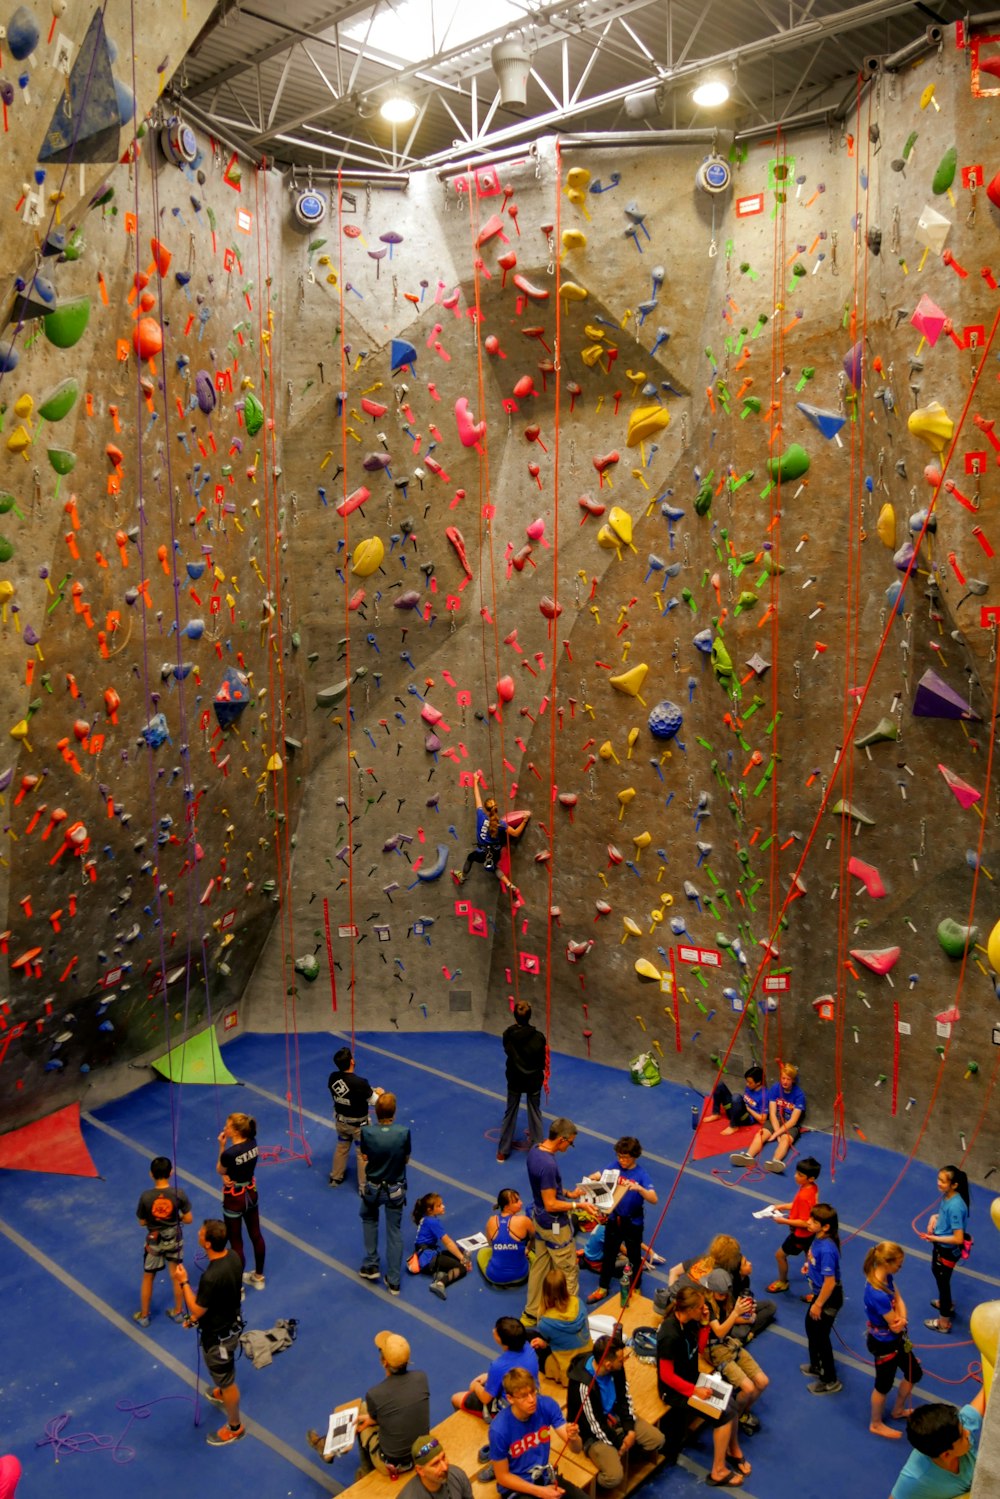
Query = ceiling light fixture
x=398 y=109
x=710 y=93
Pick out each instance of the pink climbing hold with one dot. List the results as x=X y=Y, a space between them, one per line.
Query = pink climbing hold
x=550 y=608
x=492 y=227
x=868 y=875
x=374 y=409
x=354 y=501
x=965 y=795
x=492 y=346
x=534 y=293
x=470 y=433
x=525 y=387
x=878 y=959
x=457 y=540
x=505 y=689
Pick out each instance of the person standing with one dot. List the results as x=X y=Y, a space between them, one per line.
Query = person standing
x=823 y=1269
x=946 y=1230
x=238 y=1168
x=526 y=1052
x=627 y=1218
x=550 y=1210
x=888 y=1344
x=351 y=1096
x=384 y=1149
x=216 y=1313
x=161 y=1211
x=434 y=1474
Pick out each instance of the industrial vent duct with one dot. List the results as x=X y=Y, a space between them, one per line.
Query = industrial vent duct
x=511 y=62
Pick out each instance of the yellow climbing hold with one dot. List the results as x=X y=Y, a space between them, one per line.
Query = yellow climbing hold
x=625 y=795
x=630 y=682
x=368 y=555
x=607 y=752
x=595 y=333
x=577 y=182
x=932 y=425
x=633 y=736
x=621 y=524
x=573 y=239
x=20 y=732
x=19 y=440
x=631 y=929
x=275 y=763
x=993 y=948
x=643 y=422
x=591 y=354
x=23 y=407
x=886 y=526
x=641 y=841
x=572 y=292
x=644 y=969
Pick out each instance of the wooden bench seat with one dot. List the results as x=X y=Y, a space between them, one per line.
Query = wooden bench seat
x=462 y=1435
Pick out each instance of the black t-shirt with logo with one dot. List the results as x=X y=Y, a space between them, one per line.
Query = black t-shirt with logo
x=350 y=1095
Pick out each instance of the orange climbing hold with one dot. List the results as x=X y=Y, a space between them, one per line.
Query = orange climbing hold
x=147 y=338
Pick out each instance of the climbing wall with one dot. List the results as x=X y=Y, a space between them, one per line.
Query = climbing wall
x=143 y=691
x=659 y=491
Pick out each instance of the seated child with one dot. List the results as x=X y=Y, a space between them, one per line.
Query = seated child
x=485 y=1394
x=561 y=1331
x=786 y=1109
x=748 y=1107
x=435 y=1252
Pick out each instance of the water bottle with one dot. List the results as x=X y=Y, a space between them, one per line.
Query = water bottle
x=626 y=1282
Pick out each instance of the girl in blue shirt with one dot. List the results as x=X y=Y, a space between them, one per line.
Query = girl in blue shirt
x=946 y=1230
x=885 y=1311
x=823 y=1269
x=435 y=1252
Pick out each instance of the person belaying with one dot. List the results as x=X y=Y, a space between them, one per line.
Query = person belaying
x=493 y=833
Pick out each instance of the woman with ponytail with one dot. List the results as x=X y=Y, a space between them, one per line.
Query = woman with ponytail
x=947 y=1231
x=888 y=1344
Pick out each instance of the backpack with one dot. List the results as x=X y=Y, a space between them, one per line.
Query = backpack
x=643 y=1344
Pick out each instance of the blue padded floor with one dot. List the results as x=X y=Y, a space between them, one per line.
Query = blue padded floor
x=87 y=1393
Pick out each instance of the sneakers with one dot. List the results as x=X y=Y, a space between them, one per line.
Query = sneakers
x=175 y=1315
x=501 y=1158
x=251 y=1278
x=808 y=1369
x=370 y=1272
x=226 y=1435
x=485 y=1475
x=138 y=1317
x=776 y=1166
x=437 y=1288
x=933 y=1323
x=215 y=1395
x=778 y=1285
x=595 y=1296
x=484 y=1453
x=825 y=1387
x=749 y=1422
x=393 y=1290
x=740 y=1158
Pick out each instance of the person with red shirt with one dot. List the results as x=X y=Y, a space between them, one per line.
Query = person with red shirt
x=798 y=1211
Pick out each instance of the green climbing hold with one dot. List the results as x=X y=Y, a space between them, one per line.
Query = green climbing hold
x=956 y=939
x=793 y=464
x=703 y=499
x=746 y=600
x=329 y=697
x=253 y=414
x=945 y=174
x=308 y=967
x=6 y=549
x=60 y=400
x=722 y=663
x=844 y=808
x=62 y=460
x=7 y=503
x=886 y=729
x=67 y=324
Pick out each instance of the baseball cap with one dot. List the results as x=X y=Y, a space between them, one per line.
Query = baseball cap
x=425 y=1449
x=718 y=1282
x=394 y=1349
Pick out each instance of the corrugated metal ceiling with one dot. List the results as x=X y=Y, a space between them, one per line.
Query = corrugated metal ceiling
x=300 y=85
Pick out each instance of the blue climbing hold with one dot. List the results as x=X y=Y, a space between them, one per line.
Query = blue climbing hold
x=665 y=720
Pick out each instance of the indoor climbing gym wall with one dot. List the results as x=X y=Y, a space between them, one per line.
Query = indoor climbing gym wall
x=145 y=703
x=655 y=484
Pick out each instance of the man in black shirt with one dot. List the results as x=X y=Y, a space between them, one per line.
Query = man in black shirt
x=216 y=1310
x=526 y=1049
x=351 y=1095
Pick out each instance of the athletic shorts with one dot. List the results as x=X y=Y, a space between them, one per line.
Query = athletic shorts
x=796 y=1245
x=734 y=1367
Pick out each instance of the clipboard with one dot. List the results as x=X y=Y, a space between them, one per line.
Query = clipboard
x=341 y=1431
x=721 y=1393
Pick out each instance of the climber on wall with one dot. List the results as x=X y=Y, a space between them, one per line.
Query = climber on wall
x=493 y=833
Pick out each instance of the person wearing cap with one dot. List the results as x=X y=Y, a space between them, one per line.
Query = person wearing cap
x=351 y=1096
x=434 y=1474
x=600 y=1403
x=395 y=1412
x=383 y=1151
x=550 y=1209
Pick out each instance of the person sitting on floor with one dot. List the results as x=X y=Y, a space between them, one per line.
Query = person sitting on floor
x=435 y=1253
x=600 y=1403
x=561 y=1331
x=747 y=1107
x=945 y=1442
x=510 y=1231
x=485 y=1395
x=786 y=1109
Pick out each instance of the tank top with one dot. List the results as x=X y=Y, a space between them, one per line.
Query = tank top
x=509 y=1260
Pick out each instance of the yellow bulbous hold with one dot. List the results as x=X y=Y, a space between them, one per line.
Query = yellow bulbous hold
x=646 y=970
x=643 y=422
x=368 y=555
x=573 y=239
x=621 y=524
x=886 y=526
x=932 y=425
x=630 y=682
x=24 y=406
x=993 y=948
x=572 y=292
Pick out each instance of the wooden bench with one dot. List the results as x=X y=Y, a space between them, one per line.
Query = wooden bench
x=462 y=1435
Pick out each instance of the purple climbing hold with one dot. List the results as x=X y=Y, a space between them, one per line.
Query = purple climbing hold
x=204 y=389
x=935 y=699
x=853 y=363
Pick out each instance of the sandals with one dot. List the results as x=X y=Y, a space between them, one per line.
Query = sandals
x=778 y=1285
x=731 y=1481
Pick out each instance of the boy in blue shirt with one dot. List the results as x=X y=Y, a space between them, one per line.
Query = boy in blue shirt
x=786 y=1108
x=627 y=1218
x=520 y=1442
x=748 y=1107
x=485 y=1395
x=945 y=1442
